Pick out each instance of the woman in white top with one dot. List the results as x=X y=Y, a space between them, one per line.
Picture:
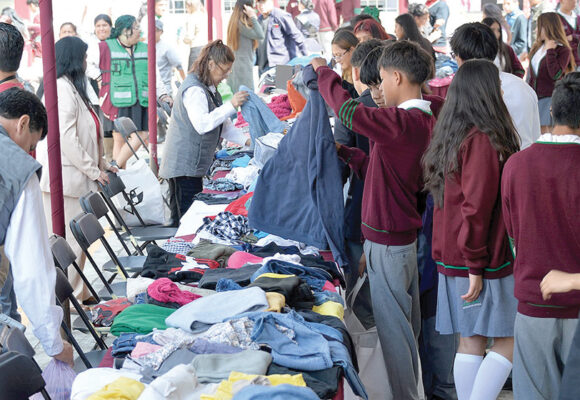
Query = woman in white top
x=199 y=121
x=195 y=29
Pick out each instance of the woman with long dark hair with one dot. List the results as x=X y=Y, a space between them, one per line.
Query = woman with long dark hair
x=506 y=58
x=244 y=33
x=81 y=143
x=550 y=59
x=406 y=29
x=473 y=138
x=491 y=10
x=199 y=121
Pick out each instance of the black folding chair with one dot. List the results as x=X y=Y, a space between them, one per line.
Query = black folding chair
x=20 y=377
x=64 y=292
x=125 y=126
x=64 y=257
x=146 y=232
x=87 y=230
x=93 y=203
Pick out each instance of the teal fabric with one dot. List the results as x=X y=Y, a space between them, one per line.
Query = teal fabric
x=141 y=318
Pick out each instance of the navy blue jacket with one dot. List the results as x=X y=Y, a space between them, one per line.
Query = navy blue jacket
x=283 y=39
x=298 y=195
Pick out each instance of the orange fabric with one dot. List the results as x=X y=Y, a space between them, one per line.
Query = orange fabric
x=297 y=102
x=238 y=207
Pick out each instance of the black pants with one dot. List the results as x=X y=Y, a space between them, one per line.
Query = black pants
x=182 y=190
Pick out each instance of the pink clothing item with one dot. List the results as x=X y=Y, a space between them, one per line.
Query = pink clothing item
x=165 y=291
x=328 y=286
x=144 y=348
x=241 y=258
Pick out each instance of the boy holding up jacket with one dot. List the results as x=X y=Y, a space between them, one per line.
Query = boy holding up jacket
x=398 y=136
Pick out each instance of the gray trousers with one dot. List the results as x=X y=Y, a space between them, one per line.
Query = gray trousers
x=540 y=353
x=394 y=283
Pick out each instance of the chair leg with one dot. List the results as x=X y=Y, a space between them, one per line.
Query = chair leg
x=86 y=281
x=100 y=274
x=88 y=323
x=76 y=345
x=114 y=258
x=45 y=394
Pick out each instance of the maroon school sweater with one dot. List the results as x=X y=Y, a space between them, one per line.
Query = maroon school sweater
x=575 y=33
x=517 y=68
x=541 y=203
x=393 y=178
x=469 y=235
x=552 y=68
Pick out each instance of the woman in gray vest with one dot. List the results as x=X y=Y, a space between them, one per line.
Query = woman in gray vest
x=199 y=122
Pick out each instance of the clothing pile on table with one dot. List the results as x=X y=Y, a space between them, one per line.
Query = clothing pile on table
x=226 y=311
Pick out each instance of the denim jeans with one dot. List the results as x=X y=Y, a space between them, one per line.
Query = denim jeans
x=259 y=117
x=8 y=304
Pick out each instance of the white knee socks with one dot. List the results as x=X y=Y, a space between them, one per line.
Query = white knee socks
x=465 y=370
x=491 y=377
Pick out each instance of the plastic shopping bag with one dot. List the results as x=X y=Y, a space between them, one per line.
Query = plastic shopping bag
x=59 y=377
x=145 y=190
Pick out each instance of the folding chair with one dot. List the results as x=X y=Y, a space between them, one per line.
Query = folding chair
x=125 y=126
x=64 y=292
x=93 y=203
x=64 y=257
x=87 y=230
x=20 y=377
x=146 y=232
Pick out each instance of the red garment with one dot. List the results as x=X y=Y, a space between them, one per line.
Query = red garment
x=540 y=189
x=469 y=235
x=108 y=108
x=516 y=64
x=326 y=10
x=104 y=314
x=97 y=124
x=393 y=175
x=165 y=291
x=575 y=33
x=9 y=85
x=238 y=206
x=297 y=101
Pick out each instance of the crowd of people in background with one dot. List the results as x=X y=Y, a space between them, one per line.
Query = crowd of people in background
x=462 y=199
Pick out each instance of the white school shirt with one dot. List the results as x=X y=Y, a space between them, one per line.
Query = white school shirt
x=203 y=121
x=27 y=248
x=571 y=19
x=522 y=104
x=537 y=59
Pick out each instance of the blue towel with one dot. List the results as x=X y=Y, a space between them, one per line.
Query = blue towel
x=299 y=192
x=279 y=392
x=260 y=118
x=241 y=162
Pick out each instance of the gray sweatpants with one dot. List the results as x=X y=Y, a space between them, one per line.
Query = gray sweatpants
x=540 y=353
x=394 y=280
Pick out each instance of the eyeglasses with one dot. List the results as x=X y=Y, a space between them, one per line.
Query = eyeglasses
x=224 y=71
x=339 y=57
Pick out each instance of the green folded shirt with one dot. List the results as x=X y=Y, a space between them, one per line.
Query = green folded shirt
x=141 y=318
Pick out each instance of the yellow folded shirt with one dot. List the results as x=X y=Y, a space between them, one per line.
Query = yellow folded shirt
x=120 y=389
x=226 y=389
x=276 y=301
x=330 y=308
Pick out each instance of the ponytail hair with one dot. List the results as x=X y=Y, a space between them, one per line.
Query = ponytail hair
x=216 y=51
x=122 y=23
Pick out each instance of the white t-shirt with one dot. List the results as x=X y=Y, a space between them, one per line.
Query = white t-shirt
x=537 y=59
x=522 y=104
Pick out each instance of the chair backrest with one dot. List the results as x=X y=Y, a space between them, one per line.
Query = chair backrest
x=115 y=185
x=20 y=376
x=13 y=339
x=63 y=254
x=125 y=126
x=93 y=203
x=86 y=229
x=63 y=288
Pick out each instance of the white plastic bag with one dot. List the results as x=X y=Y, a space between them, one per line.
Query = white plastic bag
x=59 y=378
x=140 y=182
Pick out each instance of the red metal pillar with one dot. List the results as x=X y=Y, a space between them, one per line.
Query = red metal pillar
x=151 y=68
x=51 y=102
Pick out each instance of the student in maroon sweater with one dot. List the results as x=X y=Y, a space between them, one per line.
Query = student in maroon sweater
x=541 y=193
x=550 y=59
x=473 y=138
x=571 y=23
x=398 y=136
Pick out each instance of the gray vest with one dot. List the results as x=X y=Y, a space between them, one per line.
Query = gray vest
x=16 y=168
x=187 y=153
